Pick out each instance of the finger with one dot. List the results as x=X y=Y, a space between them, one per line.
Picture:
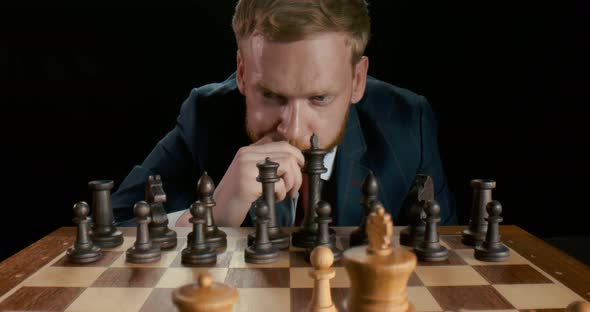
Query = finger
x=280 y=191
x=281 y=146
x=298 y=180
x=263 y=140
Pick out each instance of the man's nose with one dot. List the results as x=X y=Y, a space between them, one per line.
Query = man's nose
x=291 y=120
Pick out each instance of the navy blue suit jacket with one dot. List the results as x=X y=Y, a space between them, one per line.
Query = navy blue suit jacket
x=391 y=131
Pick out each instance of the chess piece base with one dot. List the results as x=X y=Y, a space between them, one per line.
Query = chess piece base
x=305 y=238
x=166 y=239
x=84 y=255
x=471 y=238
x=260 y=257
x=440 y=254
x=111 y=240
x=219 y=243
x=135 y=255
x=497 y=254
x=205 y=256
x=280 y=241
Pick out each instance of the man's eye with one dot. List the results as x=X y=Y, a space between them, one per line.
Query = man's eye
x=268 y=95
x=320 y=98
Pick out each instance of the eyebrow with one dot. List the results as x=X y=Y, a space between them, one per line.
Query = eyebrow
x=264 y=88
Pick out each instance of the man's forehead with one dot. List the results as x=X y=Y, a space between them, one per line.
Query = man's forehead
x=307 y=65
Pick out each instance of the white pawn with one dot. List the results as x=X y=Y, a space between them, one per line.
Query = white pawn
x=322 y=259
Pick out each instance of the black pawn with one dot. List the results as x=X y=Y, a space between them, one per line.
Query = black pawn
x=156 y=197
x=198 y=251
x=370 y=188
x=262 y=250
x=83 y=250
x=143 y=250
x=214 y=237
x=492 y=249
x=430 y=248
x=104 y=233
x=324 y=239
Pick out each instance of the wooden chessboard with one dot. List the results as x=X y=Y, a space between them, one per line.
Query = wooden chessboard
x=537 y=276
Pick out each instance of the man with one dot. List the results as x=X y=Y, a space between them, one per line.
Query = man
x=300 y=71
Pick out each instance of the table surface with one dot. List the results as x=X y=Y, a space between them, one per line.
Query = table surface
x=572 y=273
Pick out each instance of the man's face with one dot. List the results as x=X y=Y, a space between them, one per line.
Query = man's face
x=296 y=89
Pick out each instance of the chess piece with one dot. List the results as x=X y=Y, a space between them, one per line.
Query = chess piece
x=197 y=250
x=421 y=191
x=323 y=220
x=268 y=177
x=321 y=299
x=430 y=248
x=158 y=227
x=305 y=237
x=262 y=250
x=578 y=306
x=205 y=296
x=482 y=195
x=492 y=249
x=379 y=272
x=104 y=233
x=83 y=250
x=370 y=188
x=143 y=250
x=214 y=237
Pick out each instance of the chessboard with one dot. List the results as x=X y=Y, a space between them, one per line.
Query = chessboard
x=41 y=278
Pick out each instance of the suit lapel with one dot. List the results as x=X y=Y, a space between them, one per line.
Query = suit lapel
x=351 y=169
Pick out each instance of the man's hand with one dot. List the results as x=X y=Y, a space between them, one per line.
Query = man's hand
x=238 y=188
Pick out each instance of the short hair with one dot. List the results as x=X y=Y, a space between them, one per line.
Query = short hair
x=290 y=20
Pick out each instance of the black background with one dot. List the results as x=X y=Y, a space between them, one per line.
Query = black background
x=86 y=92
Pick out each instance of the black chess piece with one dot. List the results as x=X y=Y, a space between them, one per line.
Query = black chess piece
x=482 y=195
x=83 y=250
x=214 y=237
x=430 y=248
x=370 y=188
x=268 y=177
x=262 y=250
x=104 y=234
x=305 y=237
x=492 y=249
x=158 y=227
x=143 y=250
x=323 y=238
x=198 y=250
x=421 y=191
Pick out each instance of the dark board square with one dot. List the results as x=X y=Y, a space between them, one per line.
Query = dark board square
x=160 y=299
x=301 y=297
x=129 y=277
x=454 y=242
x=511 y=274
x=41 y=298
x=108 y=257
x=415 y=280
x=469 y=297
x=453 y=259
x=258 y=278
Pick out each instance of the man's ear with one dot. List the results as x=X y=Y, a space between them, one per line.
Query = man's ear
x=359 y=79
x=240 y=72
